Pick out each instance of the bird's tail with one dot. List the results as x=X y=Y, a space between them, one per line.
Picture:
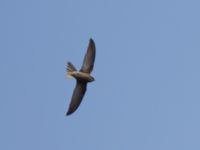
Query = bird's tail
x=70 y=68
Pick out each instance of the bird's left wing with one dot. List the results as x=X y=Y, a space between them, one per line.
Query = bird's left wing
x=77 y=97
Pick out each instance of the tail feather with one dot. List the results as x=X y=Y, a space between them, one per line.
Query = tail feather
x=70 y=68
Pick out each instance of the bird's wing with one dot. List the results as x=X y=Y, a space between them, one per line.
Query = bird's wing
x=89 y=58
x=77 y=97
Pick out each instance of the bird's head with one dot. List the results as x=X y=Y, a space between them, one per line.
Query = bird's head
x=91 y=79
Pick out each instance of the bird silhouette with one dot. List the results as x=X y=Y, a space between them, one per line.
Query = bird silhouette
x=82 y=77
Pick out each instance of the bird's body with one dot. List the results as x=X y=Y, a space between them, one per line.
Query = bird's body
x=82 y=77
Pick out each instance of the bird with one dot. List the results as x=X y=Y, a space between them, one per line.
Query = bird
x=82 y=77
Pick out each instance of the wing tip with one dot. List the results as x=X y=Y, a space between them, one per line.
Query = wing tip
x=69 y=113
x=91 y=40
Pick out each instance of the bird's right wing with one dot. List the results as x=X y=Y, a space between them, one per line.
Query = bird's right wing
x=89 y=58
x=77 y=97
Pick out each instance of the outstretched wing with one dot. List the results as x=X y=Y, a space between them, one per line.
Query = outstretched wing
x=89 y=58
x=77 y=97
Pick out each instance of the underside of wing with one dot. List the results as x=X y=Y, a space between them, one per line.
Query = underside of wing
x=77 y=97
x=89 y=58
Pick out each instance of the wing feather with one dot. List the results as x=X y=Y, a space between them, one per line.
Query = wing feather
x=89 y=58
x=77 y=97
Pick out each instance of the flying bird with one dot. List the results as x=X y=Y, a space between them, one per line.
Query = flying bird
x=82 y=77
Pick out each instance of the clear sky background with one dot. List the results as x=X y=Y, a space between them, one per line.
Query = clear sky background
x=147 y=90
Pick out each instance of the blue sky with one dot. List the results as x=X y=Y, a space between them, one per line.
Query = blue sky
x=146 y=94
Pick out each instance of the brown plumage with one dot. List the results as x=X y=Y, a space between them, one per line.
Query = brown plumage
x=82 y=77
